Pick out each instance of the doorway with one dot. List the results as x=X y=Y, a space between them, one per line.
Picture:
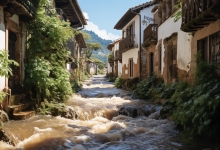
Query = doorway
x=12 y=56
x=151 y=64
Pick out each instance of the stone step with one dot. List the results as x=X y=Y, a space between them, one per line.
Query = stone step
x=22 y=115
x=17 y=108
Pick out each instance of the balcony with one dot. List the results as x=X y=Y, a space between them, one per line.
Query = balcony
x=150 y=35
x=126 y=44
x=196 y=14
x=24 y=8
x=118 y=55
x=111 y=60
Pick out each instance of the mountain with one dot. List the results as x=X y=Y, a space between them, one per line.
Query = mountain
x=104 y=52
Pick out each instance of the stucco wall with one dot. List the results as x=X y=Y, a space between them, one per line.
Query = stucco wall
x=119 y=68
x=183 y=42
x=133 y=53
x=145 y=12
x=2 y=43
x=109 y=68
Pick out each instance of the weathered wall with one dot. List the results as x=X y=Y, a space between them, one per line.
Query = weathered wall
x=2 y=43
x=119 y=68
x=206 y=31
x=150 y=49
x=133 y=53
x=166 y=29
x=109 y=68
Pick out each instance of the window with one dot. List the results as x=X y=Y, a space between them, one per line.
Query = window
x=210 y=48
x=214 y=47
x=131 y=67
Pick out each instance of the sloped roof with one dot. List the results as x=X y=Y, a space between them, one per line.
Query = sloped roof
x=73 y=12
x=129 y=15
x=80 y=40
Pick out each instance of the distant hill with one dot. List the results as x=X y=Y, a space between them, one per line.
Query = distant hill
x=104 y=52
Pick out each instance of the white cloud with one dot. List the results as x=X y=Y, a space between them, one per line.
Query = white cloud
x=101 y=33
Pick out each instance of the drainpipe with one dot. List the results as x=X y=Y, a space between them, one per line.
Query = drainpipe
x=77 y=15
x=139 y=42
x=80 y=28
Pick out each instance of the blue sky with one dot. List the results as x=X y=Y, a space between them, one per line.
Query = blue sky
x=102 y=15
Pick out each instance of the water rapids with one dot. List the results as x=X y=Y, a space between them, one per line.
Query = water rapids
x=107 y=119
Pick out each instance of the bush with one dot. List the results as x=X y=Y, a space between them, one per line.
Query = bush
x=148 y=88
x=118 y=82
x=197 y=107
x=75 y=84
x=111 y=77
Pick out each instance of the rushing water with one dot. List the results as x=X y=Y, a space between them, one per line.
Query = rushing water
x=108 y=119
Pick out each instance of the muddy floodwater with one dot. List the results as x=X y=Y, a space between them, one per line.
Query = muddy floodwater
x=107 y=119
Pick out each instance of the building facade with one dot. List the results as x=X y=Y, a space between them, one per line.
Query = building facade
x=132 y=26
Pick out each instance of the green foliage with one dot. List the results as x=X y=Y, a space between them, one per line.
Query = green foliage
x=178 y=14
x=92 y=47
x=197 y=107
x=46 y=57
x=103 y=52
x=111 y=77
x=74 y=84
x=100 y=64
x=5 y=69
x=118 y=82
x=148 y=88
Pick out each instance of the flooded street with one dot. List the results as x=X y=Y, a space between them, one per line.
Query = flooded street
x=107 y=119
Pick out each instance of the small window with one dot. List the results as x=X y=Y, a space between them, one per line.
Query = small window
x=131 y=67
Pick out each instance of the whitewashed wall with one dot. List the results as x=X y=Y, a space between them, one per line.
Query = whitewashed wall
x=183 y=42
x=109 y=68
x=2 y=43
x=146 y=12
x=133 y=53
x=119 y=68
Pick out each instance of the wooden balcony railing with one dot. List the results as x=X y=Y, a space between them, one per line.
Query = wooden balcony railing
x=118 y=55
x=26 y=9
x=30 y=5
x=197 y=14
x=126 y=44
x=150 y=32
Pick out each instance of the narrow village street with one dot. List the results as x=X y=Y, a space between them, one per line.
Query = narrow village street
x=106 y=119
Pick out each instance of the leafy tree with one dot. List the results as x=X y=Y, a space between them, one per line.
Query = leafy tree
x=46 y=76
x=92 y=47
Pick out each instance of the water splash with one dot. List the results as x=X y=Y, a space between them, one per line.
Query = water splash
x=111 y=122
